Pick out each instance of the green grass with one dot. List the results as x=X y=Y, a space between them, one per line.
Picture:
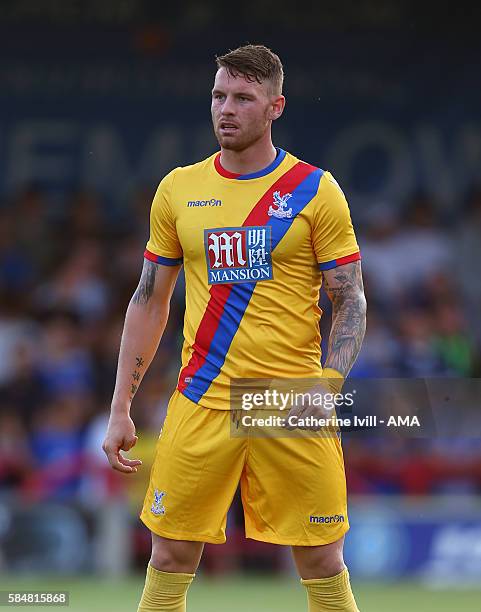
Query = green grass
x=247 y=595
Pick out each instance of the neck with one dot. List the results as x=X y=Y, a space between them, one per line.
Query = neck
x=253 y=159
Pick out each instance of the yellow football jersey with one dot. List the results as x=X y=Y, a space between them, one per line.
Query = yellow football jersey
x=253 y=248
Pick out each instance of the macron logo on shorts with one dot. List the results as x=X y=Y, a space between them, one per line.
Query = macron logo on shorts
x=335 y=518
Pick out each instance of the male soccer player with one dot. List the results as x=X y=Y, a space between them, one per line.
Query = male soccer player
x=257 y=231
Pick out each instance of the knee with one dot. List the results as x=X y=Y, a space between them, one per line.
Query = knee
x=319 y=561
x=175 y=556
x=166 y=561
x=327 y=567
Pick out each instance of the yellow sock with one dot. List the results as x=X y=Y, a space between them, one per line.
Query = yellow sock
x=331 y=594
x=164 y=591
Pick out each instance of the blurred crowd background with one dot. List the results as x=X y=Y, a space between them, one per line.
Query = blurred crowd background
x=97 y=104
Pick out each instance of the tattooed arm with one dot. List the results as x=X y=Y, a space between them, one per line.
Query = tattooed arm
x=144 y=325
x=344 y=287
x=145 y=322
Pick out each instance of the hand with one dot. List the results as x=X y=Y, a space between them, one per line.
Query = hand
x=120 y=436
x=314 y=410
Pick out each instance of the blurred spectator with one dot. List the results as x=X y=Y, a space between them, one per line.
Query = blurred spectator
x=17 y=269
x=401 y=252
x=381 y=259
x=32 y=232
x=66 y=366
x=25 y=390
x=17 y=329
x=77 y=285
x=380 y=351
x=15 y=457
x=418 y=357
x=452 y=342
x=57 y=438
x=84 y=217
x=466 y=264
x=424 y=247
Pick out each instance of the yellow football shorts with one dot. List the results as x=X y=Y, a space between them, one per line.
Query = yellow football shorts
x=293 y=489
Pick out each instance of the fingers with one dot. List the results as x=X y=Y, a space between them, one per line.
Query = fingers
x=114 y=460
x=122 y=464
x=295 y=411
x=311 y=418
x=129 y=462
x=236 y=417
x=119 y=462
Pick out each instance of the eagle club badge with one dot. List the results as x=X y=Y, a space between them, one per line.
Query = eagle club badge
x=238 y=254
x=157 y=507
x=281 y=201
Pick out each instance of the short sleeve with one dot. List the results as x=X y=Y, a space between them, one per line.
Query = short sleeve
x=163 y=246
x=333 y=236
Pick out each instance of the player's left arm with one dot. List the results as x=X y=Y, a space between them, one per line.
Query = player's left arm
x=345 y=289
x=343 y=284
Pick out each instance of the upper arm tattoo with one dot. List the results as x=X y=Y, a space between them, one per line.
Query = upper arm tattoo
x=345 y=289
x=145 y=289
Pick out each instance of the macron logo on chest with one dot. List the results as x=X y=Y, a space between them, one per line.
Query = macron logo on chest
x=202 y=203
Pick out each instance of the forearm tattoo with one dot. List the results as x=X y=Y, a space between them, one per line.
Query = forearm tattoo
x=144 y=291
x=136 y=377
x=346 y=292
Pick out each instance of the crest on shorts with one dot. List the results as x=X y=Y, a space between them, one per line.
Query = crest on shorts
x=281 y=201
x=157 y=506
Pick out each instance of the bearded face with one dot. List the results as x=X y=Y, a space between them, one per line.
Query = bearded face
x=241 y=111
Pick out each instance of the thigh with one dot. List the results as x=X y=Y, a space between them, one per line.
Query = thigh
x=195 y=473
x=294 y=490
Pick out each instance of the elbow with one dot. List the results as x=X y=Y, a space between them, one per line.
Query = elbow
x=153 y=310
x=159 y=312
x=362 y=304
x=353 y=306
x=361 y=309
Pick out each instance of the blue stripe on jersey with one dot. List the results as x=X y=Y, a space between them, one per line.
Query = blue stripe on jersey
x=278 y=160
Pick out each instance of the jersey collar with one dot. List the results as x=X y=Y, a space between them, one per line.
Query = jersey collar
x=244 y=177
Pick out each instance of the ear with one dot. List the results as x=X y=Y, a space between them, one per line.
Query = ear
x=277 y=107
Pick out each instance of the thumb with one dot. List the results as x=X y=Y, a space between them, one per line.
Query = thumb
x=129 y=442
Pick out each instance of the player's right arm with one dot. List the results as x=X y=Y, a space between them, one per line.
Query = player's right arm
x=145 y=322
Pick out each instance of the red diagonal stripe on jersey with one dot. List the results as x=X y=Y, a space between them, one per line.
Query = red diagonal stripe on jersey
x=220 y=293
x=205 y=332
x=287 y=183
